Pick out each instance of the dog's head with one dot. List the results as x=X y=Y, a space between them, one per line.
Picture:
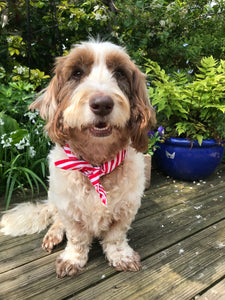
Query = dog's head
x=97 y=102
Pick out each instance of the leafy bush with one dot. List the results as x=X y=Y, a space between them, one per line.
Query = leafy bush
x=169 y=32
x=23 y=146
x=190 y=107
x=53 y=28
x=22 y=154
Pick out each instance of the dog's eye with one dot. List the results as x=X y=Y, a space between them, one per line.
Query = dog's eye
x=119 y=74
x=77 y=74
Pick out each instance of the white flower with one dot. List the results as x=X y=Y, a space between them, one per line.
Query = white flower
x=9 y=40
x=21 y=70
x=27 y=142
x=98 y=16
x=1 y=122
x=96 y=7
x=6 y=142
x=32 y=152
x=19 y=146
x=31 y=115
x=114 y=34
x=23 y=143
x=162 y=23
x=104 y=18
x=2 y=138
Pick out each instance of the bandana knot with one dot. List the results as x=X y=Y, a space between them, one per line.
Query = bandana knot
x=93 y=173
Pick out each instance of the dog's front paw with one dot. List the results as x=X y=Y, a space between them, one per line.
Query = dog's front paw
x=66 y=268
x=50 y=241
x=53 y=237
x=122 y=257
x=127 y=263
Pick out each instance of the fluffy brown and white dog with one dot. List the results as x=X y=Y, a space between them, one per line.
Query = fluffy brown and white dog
x=96 y=104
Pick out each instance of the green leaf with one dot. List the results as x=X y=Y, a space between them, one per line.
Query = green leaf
x=220 y=107
x=10 y=189
x=35 y=177
x=199 y=139
x=7 y=124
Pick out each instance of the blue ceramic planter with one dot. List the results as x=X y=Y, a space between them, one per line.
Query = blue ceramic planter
x=179 y=159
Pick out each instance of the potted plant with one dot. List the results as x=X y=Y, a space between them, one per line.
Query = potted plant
x=192 y=111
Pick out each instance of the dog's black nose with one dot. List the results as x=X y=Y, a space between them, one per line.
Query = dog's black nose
x=101 y=105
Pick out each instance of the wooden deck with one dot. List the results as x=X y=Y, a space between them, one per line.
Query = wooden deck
x=179 y=233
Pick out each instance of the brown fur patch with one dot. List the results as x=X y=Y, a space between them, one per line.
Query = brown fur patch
x=133 y=83
x=79 y=59
x=142 y=113
x=120 y=66
x=98 y=150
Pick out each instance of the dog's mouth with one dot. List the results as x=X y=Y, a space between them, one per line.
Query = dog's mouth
x=101 y=129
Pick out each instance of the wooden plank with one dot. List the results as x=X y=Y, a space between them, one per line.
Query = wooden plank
x=37 y=278
x=166 y=217
x=13 y=242
x=166 y=192
x=160 y=202
x=172 y=273
x=216 y=292
x=23 y=250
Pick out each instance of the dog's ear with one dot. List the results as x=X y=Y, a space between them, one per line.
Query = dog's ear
x=142 y=113
x=49 y=105
x=47 y=101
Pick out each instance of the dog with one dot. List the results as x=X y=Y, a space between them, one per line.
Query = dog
x=98 y=115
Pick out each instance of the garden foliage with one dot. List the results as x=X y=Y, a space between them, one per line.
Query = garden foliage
x=23 y=146
x=191 y=107
x=169 y=32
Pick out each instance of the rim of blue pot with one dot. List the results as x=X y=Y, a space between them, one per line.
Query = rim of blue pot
x=188 y=143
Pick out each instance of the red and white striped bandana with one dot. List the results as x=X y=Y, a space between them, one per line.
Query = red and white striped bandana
x=93 y=173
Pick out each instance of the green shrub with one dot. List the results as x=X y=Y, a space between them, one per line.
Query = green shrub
x=169 y=32
x=190 y=107
x=23 y=146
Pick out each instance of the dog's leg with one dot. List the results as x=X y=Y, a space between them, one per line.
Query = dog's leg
x=54 y=236
x=120 y=255
x=75 y=255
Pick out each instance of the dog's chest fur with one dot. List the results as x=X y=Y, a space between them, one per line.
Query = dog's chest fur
x=77 y=200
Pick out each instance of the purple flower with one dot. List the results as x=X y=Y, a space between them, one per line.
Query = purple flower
x=151 y=134
x=161 y=130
